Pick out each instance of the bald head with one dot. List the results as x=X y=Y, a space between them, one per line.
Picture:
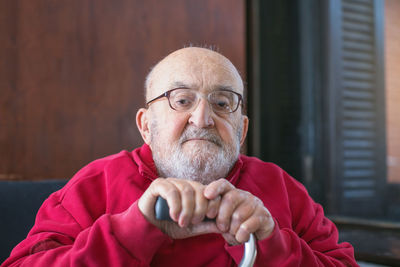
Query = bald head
x=193 y=67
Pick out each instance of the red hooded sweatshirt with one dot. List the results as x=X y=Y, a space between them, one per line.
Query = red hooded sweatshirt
x=95 y=221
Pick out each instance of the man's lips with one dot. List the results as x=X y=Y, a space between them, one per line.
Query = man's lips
x=198 y=139
x=201 y=139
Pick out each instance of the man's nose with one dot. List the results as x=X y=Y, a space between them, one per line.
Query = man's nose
x=201 y=116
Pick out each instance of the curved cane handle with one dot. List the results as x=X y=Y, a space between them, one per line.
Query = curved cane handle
x=250 y=249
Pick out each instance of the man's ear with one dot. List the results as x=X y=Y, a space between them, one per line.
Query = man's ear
x=245 y=121
x=142 y=124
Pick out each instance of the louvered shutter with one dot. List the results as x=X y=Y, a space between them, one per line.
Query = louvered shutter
x=358 y=119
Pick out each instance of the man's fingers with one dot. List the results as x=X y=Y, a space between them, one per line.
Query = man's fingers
x=194 y=204
x=201 y=205
x=187 y=194
x=167 y=190
x=267 y=225
x=241 y=214
x=203 y=228
x=217 y=188
x=229 y=202
x=259 y=223
x=251 y=225
x=238 y=213
x=213 y=207
x=230 y=239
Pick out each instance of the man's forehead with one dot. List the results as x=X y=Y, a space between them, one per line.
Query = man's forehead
x=193 y=68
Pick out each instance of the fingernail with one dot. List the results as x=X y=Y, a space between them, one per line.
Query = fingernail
x=175 y=217
x=182 y=222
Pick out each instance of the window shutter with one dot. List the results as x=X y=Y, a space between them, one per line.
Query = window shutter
x=357 y=131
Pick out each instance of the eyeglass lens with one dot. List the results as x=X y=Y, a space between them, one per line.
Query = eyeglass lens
x=221 y=101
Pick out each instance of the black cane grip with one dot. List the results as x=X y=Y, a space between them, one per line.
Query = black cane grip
x=161 y=211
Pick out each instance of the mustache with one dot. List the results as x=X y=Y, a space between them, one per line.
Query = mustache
x=196 y=133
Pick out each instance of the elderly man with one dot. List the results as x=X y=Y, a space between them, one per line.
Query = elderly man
x=192 y=127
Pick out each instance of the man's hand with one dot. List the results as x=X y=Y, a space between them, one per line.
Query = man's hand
x=187 y=204
x=240 y=213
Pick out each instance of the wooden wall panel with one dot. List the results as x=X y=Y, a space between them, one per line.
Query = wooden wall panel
x=72 y=73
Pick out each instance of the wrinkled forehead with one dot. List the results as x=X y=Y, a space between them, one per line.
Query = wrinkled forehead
x=195 y=68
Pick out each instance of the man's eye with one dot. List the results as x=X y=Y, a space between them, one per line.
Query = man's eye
x=222 y=104
x=182 y=102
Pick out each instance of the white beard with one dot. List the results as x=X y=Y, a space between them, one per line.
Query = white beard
x=203 y=163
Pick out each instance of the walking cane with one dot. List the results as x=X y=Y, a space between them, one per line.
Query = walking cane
x=250 y=249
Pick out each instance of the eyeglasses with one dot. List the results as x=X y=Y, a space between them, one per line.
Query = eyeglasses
x=184 y=99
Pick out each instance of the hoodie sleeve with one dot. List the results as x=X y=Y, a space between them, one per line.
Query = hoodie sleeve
x=303 y=236
x=73 y=228
x=316 y=246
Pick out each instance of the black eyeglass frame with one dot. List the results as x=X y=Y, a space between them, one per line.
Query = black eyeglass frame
x=168 y=93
